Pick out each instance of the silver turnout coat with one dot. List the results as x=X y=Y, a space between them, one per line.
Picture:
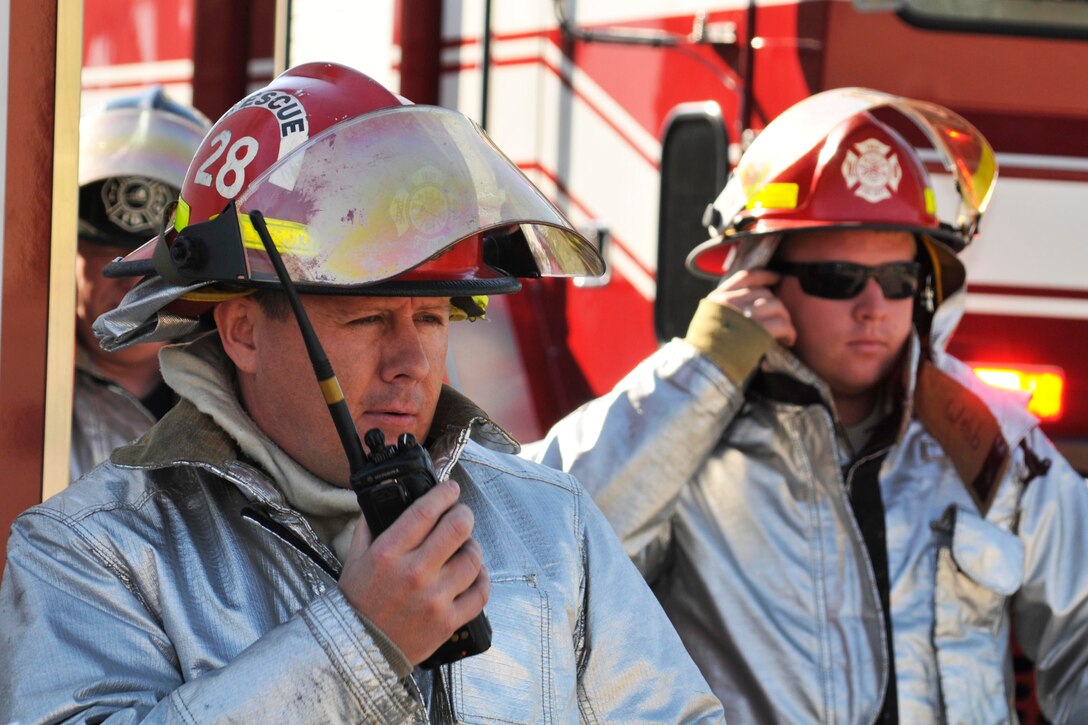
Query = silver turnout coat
x=174 y=584
x=733 y=503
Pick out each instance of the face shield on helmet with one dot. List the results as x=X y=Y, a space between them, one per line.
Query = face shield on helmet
x=441 y=181
x=133 y=154
x=828 y=163
x=361 y=193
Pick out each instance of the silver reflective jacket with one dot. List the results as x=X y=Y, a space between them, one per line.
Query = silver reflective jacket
x=733 y=504
x=174 y=584
x=104 y=416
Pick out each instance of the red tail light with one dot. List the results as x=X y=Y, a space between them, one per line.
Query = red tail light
x=1045 y=384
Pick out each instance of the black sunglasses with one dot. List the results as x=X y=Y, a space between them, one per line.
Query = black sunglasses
x=844 y=280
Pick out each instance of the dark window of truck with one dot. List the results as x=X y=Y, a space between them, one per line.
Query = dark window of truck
x=1039 y=18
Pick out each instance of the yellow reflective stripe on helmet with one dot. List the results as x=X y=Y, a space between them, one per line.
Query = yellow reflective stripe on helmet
x=776 y=195
x=931 y=201
x=213 y=294
x=181 y=215
x=290 y=237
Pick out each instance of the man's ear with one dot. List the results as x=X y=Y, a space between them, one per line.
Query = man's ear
x=238 y=320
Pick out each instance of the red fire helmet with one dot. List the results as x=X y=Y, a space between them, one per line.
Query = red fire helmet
x=363 y=193
x=829 y=163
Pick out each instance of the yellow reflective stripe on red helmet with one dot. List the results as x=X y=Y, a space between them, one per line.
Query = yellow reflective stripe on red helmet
x=931 y=202
x=181 y=215
x=776 y=195
x=290 y=237
x=211 y=293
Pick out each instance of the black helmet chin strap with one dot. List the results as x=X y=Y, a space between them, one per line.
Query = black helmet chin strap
x=930 y=293
x=161 y=254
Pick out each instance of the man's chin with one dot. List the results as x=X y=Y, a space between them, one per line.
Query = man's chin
x=854 y=382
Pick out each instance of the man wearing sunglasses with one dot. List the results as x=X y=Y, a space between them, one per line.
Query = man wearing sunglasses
x=839 y=518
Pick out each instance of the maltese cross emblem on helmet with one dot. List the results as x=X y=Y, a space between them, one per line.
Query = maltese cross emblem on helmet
x=874 y=171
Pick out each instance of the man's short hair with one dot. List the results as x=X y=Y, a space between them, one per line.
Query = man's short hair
x=274 y=303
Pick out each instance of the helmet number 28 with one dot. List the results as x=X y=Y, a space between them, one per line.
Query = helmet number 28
x=233 y=170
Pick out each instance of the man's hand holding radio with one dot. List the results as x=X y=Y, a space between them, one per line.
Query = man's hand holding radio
x=423 y=577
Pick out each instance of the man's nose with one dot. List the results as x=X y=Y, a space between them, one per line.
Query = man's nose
x=871 y=302
x=403 y=355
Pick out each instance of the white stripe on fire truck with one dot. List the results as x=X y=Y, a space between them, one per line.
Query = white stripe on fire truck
x=1025 y=306
x=541 y=50
x=128 y=74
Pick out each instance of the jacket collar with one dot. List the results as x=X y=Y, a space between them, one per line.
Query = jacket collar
x=783 y=377
x=187 y=436
x=183 y=436
x=456 y=414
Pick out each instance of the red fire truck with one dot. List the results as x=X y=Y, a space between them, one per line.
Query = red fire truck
x=629 y=114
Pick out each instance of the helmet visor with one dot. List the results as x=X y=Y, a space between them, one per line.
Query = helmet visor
x=378 y=195
x=963 y=151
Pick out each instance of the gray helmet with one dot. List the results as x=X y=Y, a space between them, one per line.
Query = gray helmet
x=133 y=154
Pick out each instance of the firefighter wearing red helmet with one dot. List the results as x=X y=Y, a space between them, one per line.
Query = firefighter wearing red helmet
x=133 y=153
x=838 y=517
x=219 y=568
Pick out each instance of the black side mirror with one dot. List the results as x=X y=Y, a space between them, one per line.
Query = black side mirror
x=694 y=169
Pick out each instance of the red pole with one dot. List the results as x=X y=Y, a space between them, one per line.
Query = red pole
x=419 y=26
x=28 y=190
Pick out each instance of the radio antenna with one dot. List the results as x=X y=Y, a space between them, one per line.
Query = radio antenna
x=326 y=378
